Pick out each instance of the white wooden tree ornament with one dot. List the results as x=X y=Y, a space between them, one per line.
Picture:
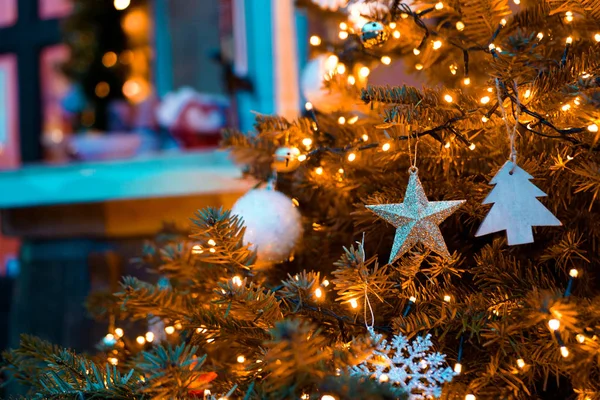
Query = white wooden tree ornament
x=516 y=208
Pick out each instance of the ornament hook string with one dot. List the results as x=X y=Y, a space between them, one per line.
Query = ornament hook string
x=512 y=133
x=412 y=160
x=367 y=301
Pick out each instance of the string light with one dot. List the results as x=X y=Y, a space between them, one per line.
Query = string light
x=109 y=59
x=210 y=340
x=169 y=330
x=140 y=340
x=439 y=5
x=305 y=396
x=396 y=34
x=419 y=66
x=517 y=2
x=102 y=89
x=460 y=26
x=211 y=242
x=448 y=98
x=467 y=81
x=540 y=36
x=597 y=37
x=113 y=360
x=326 y=282
x=121 y=4
x=492 y=46
x=490 y=89
x=447 y=145
x=580 y=338
x=554 y=324
x=318 y=293
x=319 y=170
x=458 y=368
x=484 y=119
x=353 y=120
x=412 y=299
x=341 y=68
x=569 y=40
x=119 y=332
x=569 y=16
x=592 y=128
x=302 y=157
x=354 y=303
x=453 y=69
x=149 y=336
x=341 y=120
x=241 y=359
x=527 y=93
x=343 y=35
x=470 y=397
x=365 y=137
x=437 y=44
x=351 y=157
x=236 y=280
x=566 y=107
x=328 y=397
x=343 y=26
x=315 y=40
x=351 y=79
x=416 y=51
x=564 y=351
x=386 y=146
x=364 y=71
x=386 y=60
x=384 y=378
x=109 y=337
x=308 y=106
x=520 y=363
x=447 y=297
x=331 y=62
x=404 y=15
x=503 y=22
x=472 y=146
x=485 y=99
x=574 y=273
x=392 y=25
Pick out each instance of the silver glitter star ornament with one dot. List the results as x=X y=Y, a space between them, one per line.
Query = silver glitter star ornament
x=417 y=219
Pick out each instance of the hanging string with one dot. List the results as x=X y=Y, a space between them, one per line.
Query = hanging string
x=512 y=133
x=367 y=301
x=412 y=161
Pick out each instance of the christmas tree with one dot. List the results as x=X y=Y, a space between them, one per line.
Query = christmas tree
x=317 y=313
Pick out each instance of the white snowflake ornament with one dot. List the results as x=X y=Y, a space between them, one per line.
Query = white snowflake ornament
x=410 y=365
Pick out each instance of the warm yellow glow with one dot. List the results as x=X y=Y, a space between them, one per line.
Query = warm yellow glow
x=597 y=37
x=416 y=51
x=241 y=359
x=136 y=89
x=384 y=378
x=472 y=146
x=102 y=89
x=119 y=332
x=352 y=120
x=328 y=397
x=319 y=170
x=490 y=89
x=113 y=360
x=517 y=2
x=580 y=338
x=109 y=337
x=364 y=71
x=569 y=16
x=343 y=26
x=564 y=351
x=412 y=299
x=467 y=81
x=458 y=368
x=569 y=40
x=386 y=60
x=392 y=25
x=577 y=101
x=520 y=363
x=404 y=15
x=109 y=59
x=453 y=69
x=396 y=34
x=343 y=35
x=326 y=282
x=318 y=293
x=341 y=68
x=592 y=128
x=351 y=157
x=386 y=146
x=503 y=22
x=447 y=297
x=331 y=62
x=439 y=5
x=574 y=273
x=351 y=79
x=566 y=107
x=460 y=25
x=315 y=40
x=554 y=324
x=121 y=4
x=437 y=44
x=305 y=396
x=307 y=142
x=365 y=137
x=308 y=105
x=447 y=145
x=302 y=157
x=341 y=120
x=527 y=93
x=197 y=249
x=170 y=330
x=448 y=98
x=540 y=36
x=492 y=46
x=236 y=280
x=178 y=326
x=419 y=66
x=140 y=339
x=470 y=397
x=485 y=99
x=211 y=340
x=484 y=119
x=353 y=303
x=149 y=336
x=211 y=242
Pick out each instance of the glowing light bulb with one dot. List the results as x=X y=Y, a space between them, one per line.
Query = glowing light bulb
x=386 y=60
x=211 y=340
x=564 y=351
x=109 y=59
x=566 y=107
x=140 y=339
x=580 y=338
x=412 y=299
x=241 y=359
x=597 y=37
x=554 y=324
x=485 y=99
x=448 y=98
x=439 y=5
x=419 y=66
x=492 y=46
x=319 y=170
x=351 y=157
x=517 y=2
x=569 y=16
x=470 y=397
x=308 y=106
x=447 y=145
x=149 y=336
x=458 y=368
x=331 y=62
x=503 y=22
x=490 y=89
x=326 y=282
x=392 y=25
x=484 y=119
x=364 y=71
x=437 y=44
x=341 y=68
x=236 y=280
x=305 y=396
x=416 y=51
x=520 y=363
x=540 y=36
x=302 y=157
x=527 y=93
x=592 y=128
x=384 y=378
x=453 y=69
x=211 y=242
x=467 y=81
x=569 y=40
x=341 y=120
x=169 y=330
x=460 y=26
x=328 y=397
x=315 y=40
x=113 y=360
x=351 y=79
x=119 y=332
x=386 y=146
x=343 y=35
x=352 y=120
x=404 y=15
x=396 y=34
x=318 y=293
x=365 y=137
x=121 y=4
x=472 y=146
x=109 y=337
x=354 y=303
x=447 y=297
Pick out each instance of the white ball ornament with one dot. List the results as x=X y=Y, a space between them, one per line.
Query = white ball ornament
x=273 y=224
